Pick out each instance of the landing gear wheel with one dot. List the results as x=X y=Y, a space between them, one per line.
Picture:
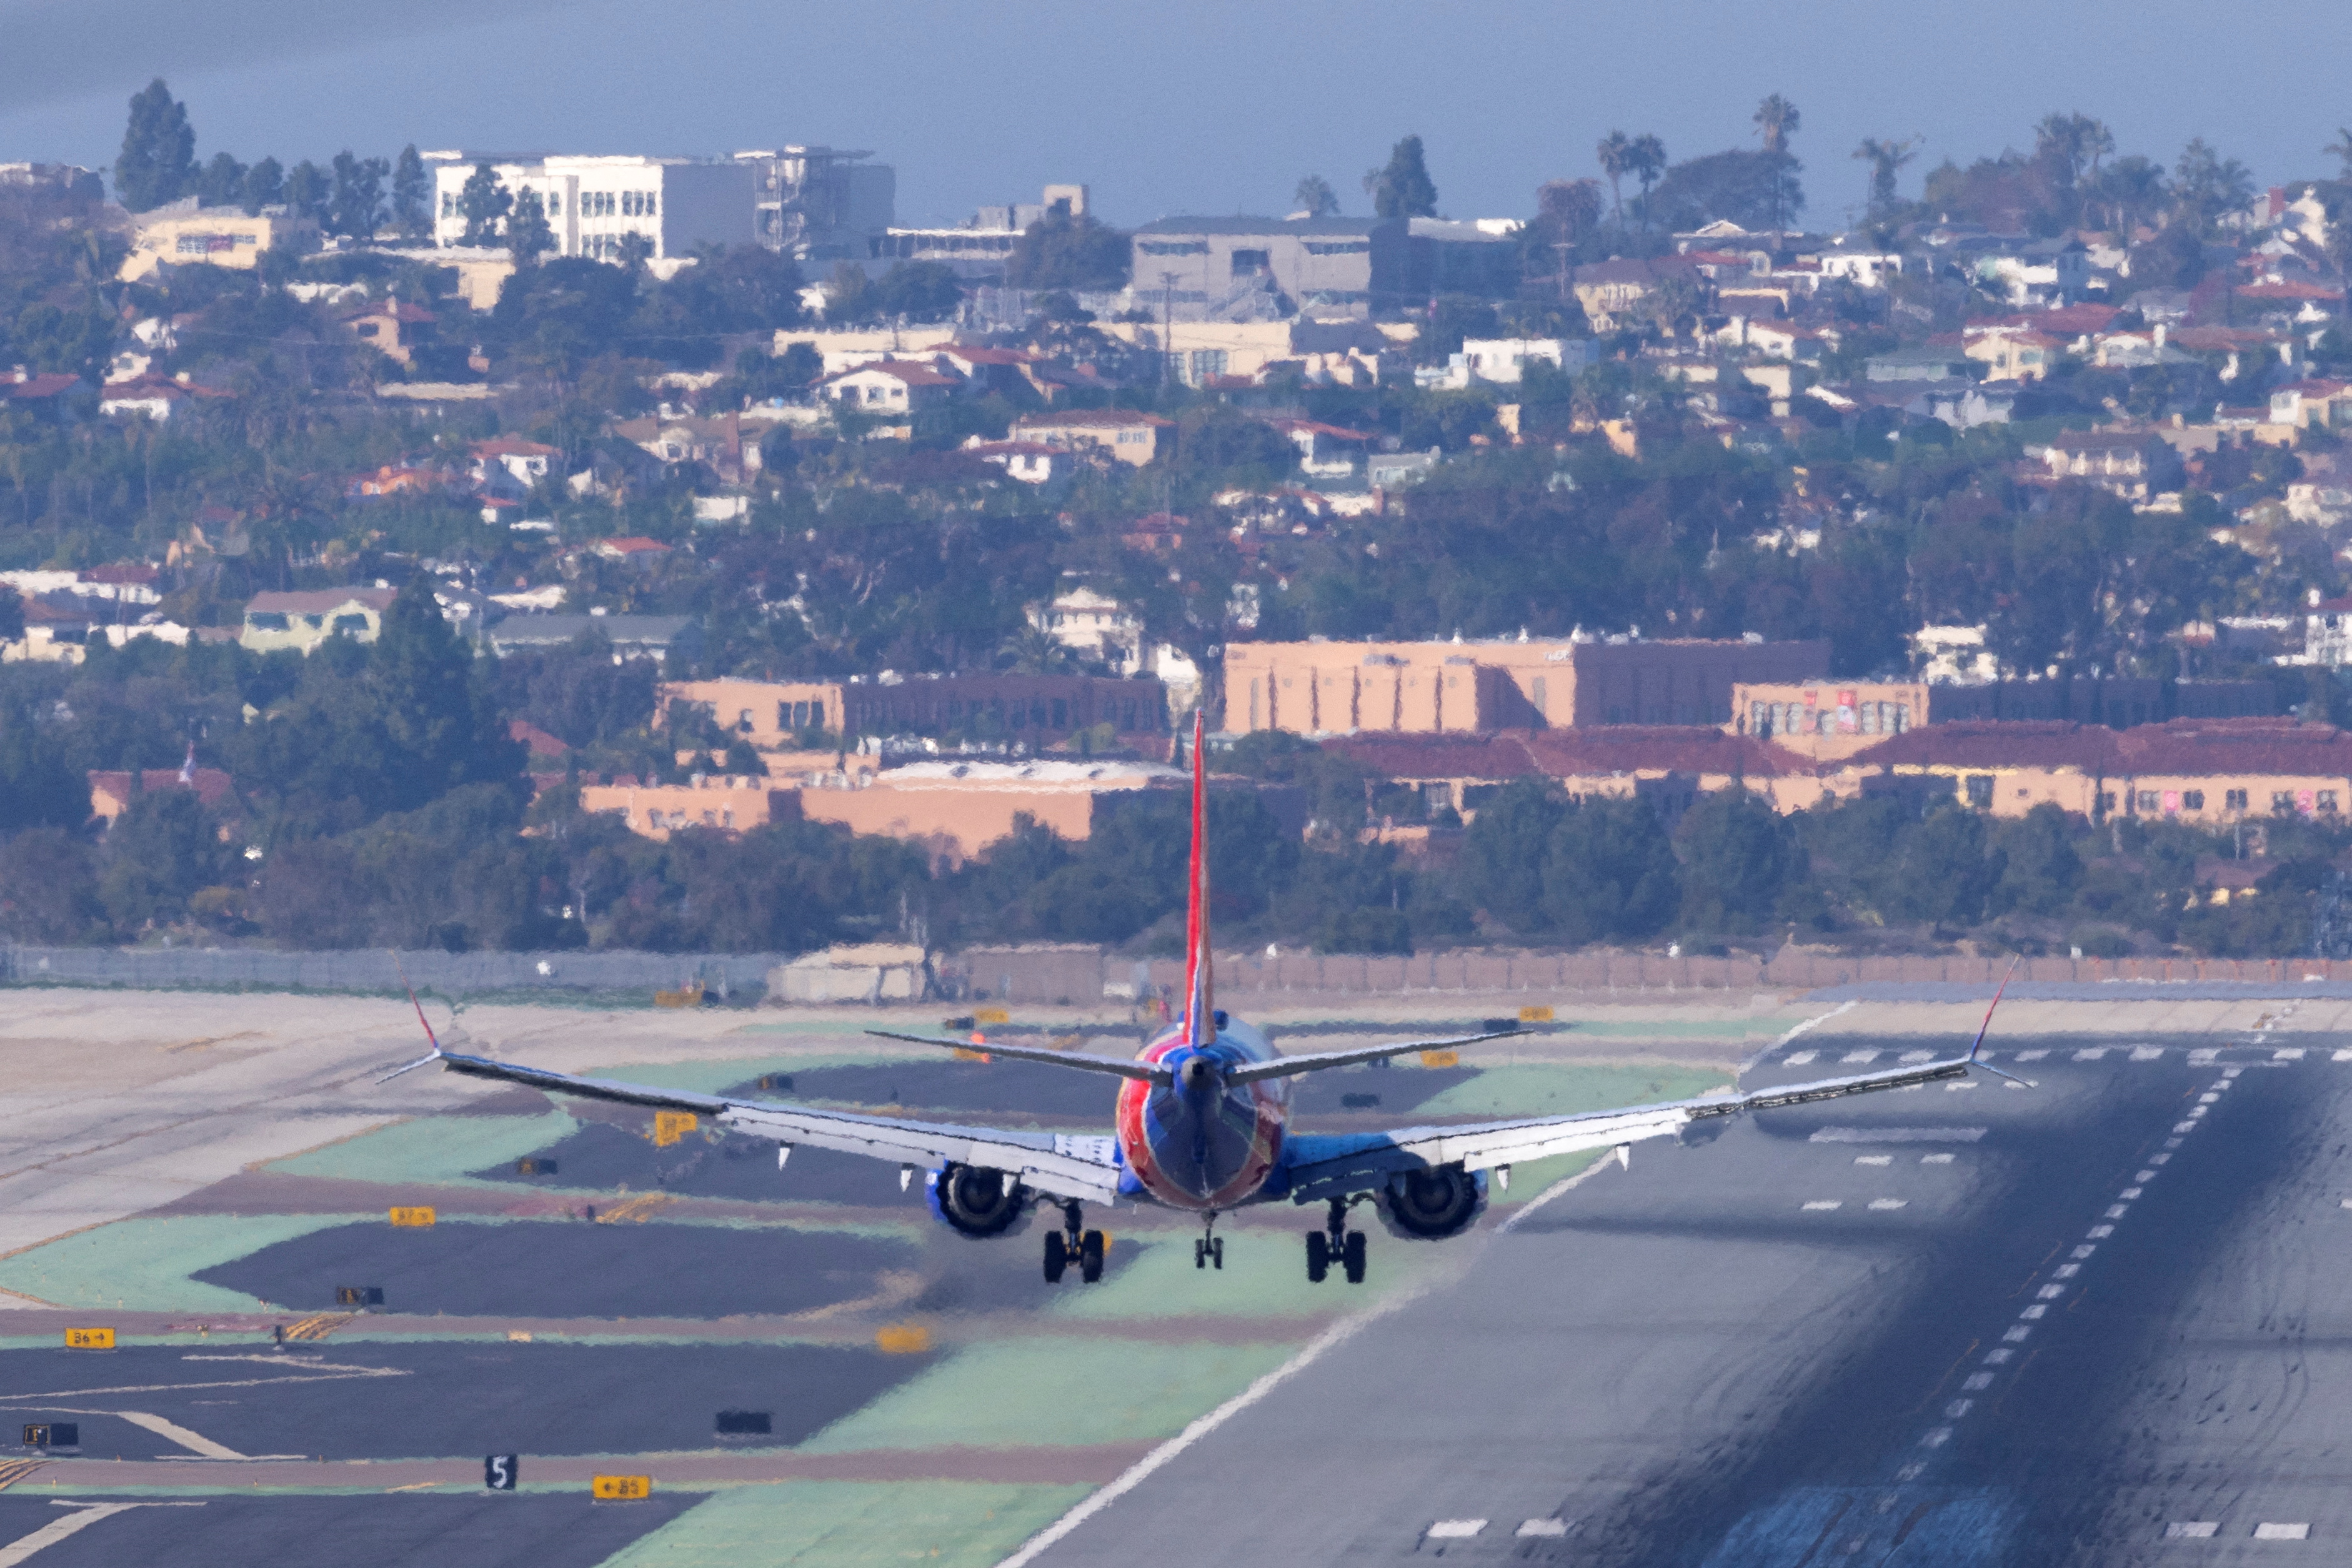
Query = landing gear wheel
x=1199 y=1254
x=1351 y=1257
x=1090 y=1257
x=1217 y=1252
x=1319 y=1257
x=1058 y=1258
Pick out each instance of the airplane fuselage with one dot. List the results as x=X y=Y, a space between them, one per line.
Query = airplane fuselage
x=1202 y=1143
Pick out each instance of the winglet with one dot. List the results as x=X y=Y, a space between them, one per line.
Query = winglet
x=1200 y=986
x=430 y=1038
x=1979 y=1043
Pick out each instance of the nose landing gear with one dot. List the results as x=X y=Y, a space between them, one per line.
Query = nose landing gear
x=1335 y=1244
x=1209 y=1249
x=1072 y=1245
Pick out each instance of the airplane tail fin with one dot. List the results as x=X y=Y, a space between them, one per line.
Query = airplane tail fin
x=1978 y=1045
x=1200 y=989
x=430 y=1038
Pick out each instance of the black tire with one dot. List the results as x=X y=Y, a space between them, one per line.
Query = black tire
x=1058 y=1258
x=1351 y=1257
x=1090 y=1257
x=1199 y=1254
x=1319 y=1257
x=1217 y=1253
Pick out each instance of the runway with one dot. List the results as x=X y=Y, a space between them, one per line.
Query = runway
x=2098 y=1322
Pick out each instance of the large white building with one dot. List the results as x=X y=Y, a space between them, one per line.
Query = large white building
x=812 y=203
x=676 y=203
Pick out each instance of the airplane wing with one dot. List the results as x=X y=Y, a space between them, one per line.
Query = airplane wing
x=1059 y=1164
x=1317 y=1061
x=1333 y=1166
x=1119 y=1066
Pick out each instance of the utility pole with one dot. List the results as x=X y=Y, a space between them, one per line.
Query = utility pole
x=1167 y=326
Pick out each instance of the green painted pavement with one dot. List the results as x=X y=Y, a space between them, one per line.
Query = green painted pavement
x=852 y=1525
x=1536 y=1091
x=1020 y=1393
x=143 y=1265
x=438 y=1150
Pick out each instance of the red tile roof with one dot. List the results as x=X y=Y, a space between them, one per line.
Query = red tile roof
x=540 y=742
x=1996 y=743
x=46 y=385
x=1581 y=753
x=2212 y=745
x=911 y=374
x=509 y=446
x=1090 y=418
x=212 y=785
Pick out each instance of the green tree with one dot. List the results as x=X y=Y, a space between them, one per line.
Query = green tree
x=1404 y=189
x=2206 y=185
x=917 y=291
x=1946 y=869
x=356 y=203
x=483 y=202
x=308 y=192
x=2040 y=869
x=158 y=853
x=48 y=889
x=1616 y=155
x=1646 y=162
x=12 y=613
x=1777 y=119
x=1610 y=872
x=1886 y=158
x=411 y=194
x=848 y=294
x=437 y=717
x=1741 y=862
x=222 y=183
x=1059 y=251
x=1315 y=197
x=265 y=185
x=529 y=233
x=158 y=161
x=1503 y=854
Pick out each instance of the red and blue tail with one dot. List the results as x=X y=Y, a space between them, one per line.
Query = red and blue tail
x=1199 y=997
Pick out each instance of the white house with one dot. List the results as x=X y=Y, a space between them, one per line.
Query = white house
x=1031 y=461
x=889 y=387
x=1505 y=360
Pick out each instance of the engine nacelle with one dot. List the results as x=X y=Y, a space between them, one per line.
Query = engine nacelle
x=976 y=1202
x=1423 y=1205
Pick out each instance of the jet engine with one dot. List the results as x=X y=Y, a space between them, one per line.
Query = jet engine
x=976 y=1202
x=1423 y=1205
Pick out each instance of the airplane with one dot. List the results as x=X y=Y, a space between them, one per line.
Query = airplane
x=1201 y=1126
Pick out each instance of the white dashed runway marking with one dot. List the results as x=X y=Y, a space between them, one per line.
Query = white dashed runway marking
x=1542 y=1528
x=1455 y=1529
x=2193 y=1529
x=2267 y=1531
x=1825 y=1204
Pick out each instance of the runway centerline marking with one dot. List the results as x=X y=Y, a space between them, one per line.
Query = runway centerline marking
x=1541 y=1527
x=2269 y=1531
x=1828 y=1203
x=1455 y=1529
x=2193 y=1529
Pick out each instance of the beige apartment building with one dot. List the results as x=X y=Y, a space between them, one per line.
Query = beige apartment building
x=1336 y=688
x=185 y=234
x=1041 y=710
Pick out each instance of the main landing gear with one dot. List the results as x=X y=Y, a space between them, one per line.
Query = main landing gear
x=1072 y=1245
x=1335 y=1244
x=1209 y=1249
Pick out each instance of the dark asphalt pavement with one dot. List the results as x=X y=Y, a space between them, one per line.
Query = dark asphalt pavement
x=2101 y=1321
x=474 y=1530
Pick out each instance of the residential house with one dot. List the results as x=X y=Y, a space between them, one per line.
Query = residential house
x=2039 y=272
x=896 y=391
x=509 y=463
x=1862 y=268
x=305 y=618
x=1129 y=436
x=1965 y=405
x=392 y=327
x=1926 y=363
x=654 y=637
x=716 y=441
x=1324 y=451
x=1477 y=257
x=153 y=397
x=1031 y=461
x=1614 y=293
x=2312 y=405
x=111 y=793
x=187 y=234
x=956 y=810
x=2133 y=463
x=2012 y=353
x=1505 y=360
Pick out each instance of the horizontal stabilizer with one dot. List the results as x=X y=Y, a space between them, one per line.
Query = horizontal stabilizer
x=1119 y=1066
x=1288 y=1066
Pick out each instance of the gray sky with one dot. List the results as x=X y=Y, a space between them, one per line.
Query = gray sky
x=1210 y=107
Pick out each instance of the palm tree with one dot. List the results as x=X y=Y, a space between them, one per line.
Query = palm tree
x=1886 y=159
x=1777 y=119
x=1616 y=151
x=2130 y=188
x=2341 y=149
x=1646 y=160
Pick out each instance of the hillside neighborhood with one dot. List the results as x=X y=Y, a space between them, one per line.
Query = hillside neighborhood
x=464 y=550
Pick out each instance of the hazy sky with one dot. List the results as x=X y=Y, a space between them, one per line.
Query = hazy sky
x=1207 y=107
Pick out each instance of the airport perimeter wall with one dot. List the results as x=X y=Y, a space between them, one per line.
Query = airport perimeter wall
x=379 y=970
x=1074 y=975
